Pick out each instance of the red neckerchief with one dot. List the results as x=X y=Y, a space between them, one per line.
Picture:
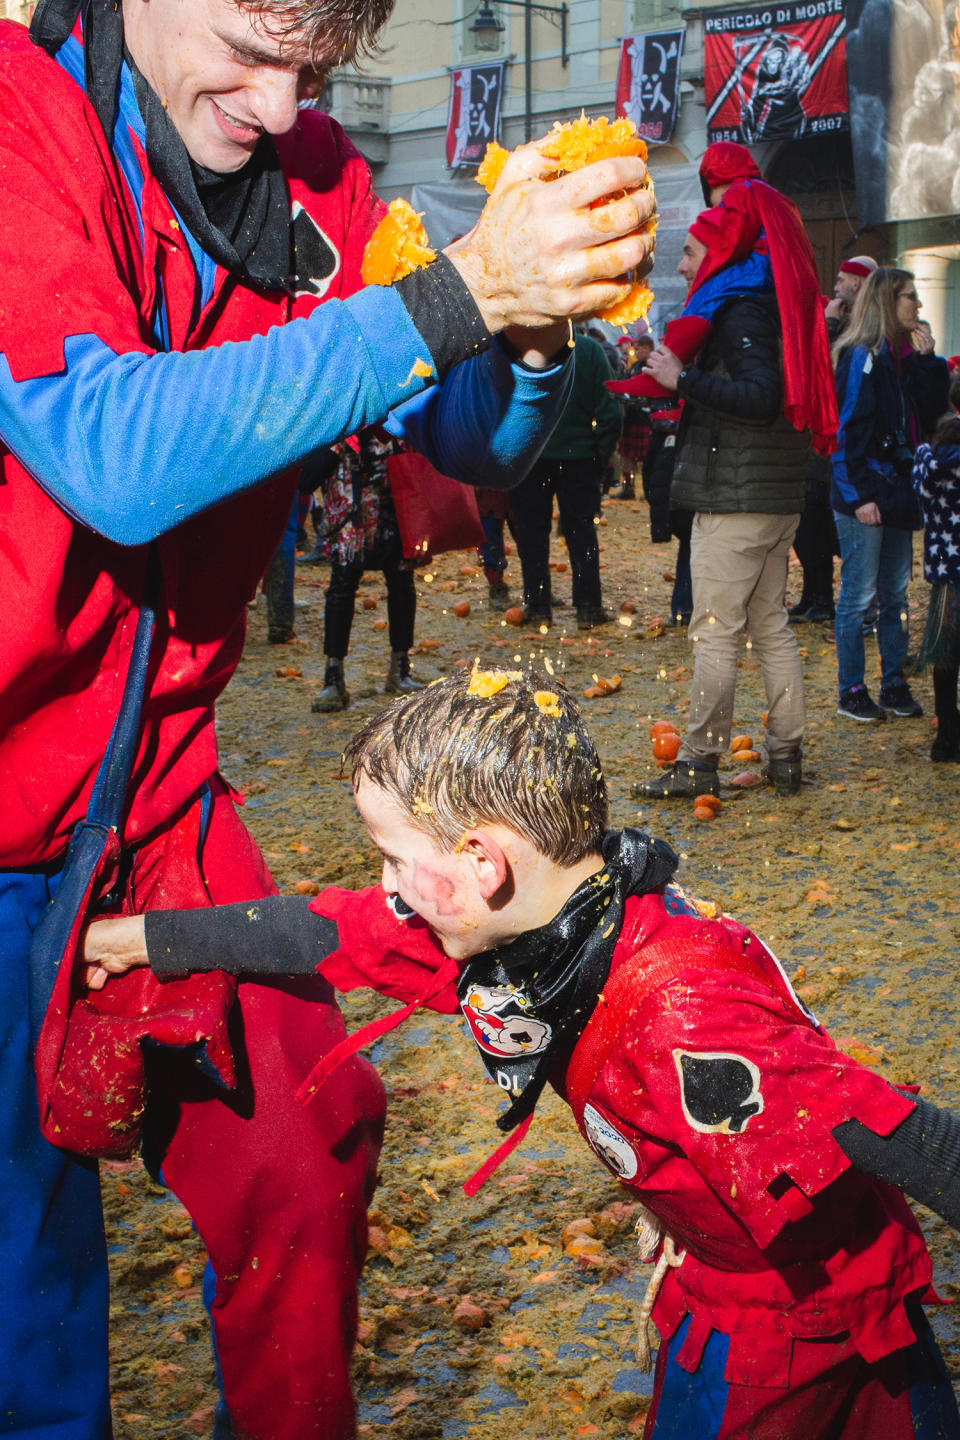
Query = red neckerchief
x=756 y=212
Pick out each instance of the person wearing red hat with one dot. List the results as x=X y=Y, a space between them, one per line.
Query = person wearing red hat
x=850 y=277
x=740 y=462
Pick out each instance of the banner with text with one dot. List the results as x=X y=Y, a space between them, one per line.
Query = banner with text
x=775 y=72
x=648 y=85
x=474 y=117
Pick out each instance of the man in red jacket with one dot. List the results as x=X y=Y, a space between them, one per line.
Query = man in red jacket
x=181 y=322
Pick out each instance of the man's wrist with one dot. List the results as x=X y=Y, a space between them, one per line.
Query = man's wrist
x=538 y=348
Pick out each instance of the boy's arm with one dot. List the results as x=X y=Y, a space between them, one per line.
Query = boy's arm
x=356 y=935
x=279 y=935
x=921 y=1156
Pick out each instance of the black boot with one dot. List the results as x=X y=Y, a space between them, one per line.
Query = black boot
x=946 y=746
x=685 y=780
x=334 y=695
x=785 y=772
x=399 y=679
x=314 y=556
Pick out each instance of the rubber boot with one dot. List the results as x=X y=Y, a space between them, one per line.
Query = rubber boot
x=399 y=679
x=785 y=772
x=334 y=695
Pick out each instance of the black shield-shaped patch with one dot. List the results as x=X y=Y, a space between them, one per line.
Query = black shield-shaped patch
x=720 y=1093
x=315 y=260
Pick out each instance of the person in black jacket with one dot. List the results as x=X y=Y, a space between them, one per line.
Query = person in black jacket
x=892 y=389
x=739 y=467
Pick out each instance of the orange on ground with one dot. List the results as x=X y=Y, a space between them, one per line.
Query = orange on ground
x=628 y=607
x=662 y=727
x=462 y=608
x=369 y=602
x=666 y=747
x=703 y=812
x=513 y=616
x=741 y=742
x=713 y=802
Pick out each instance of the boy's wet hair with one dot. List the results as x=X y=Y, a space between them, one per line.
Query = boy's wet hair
x=455 y=756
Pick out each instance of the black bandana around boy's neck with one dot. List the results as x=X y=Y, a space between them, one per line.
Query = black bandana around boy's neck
x=241 y=220
x=528 y=1003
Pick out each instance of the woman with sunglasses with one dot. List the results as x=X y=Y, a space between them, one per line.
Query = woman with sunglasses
x=891 y=390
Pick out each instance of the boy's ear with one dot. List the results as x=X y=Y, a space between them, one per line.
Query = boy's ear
x=491 y=866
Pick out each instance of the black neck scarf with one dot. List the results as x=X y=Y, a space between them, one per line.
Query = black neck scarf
x=528 y=1003
x=242 y=219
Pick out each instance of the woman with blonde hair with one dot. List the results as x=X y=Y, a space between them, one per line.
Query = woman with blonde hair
x=891 y=390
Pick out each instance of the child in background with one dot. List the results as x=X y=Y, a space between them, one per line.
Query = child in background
x=790 y=1281
x=361 y=532
x=936 y=479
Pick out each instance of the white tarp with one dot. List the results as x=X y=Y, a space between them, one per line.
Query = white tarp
x=451 y=208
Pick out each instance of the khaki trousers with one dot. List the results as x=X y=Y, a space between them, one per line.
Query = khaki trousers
x=739 y=569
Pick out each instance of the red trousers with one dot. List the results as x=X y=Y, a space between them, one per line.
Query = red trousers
x=278 y=1191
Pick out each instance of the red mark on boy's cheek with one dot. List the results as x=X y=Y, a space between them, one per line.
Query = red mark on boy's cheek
x=437 y=890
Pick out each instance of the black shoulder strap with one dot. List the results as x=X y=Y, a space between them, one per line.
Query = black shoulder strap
x=53 y=22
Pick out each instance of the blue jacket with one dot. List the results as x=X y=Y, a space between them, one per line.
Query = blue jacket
x=887 y=406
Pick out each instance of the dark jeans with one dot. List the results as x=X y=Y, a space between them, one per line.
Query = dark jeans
x=876 y=561
x=576 y=485
x=681 y=601
x=338 y=612
x=816 y=545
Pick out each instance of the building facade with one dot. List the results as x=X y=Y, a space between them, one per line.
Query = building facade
x=396 y=111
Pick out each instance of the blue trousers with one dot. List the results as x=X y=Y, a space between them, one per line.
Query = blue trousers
x=53 y=1262
x=279 y=579
x=908 y=1396
x=875 y=561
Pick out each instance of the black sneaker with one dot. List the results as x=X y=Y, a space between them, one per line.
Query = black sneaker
x=537 y=617
x=785 y=773
x=899 y=699
x=856 y=704
x=589 y=616
x=683 y=781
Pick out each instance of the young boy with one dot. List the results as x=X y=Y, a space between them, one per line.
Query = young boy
x=790 y=1308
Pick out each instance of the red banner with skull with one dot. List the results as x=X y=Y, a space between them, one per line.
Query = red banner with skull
x=775 y=72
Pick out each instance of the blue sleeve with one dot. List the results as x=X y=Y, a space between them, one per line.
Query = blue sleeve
x=488 y=421
x=134 y=444
x=853 y=481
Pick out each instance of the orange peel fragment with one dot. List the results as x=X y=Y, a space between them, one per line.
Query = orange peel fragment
x=397 y=247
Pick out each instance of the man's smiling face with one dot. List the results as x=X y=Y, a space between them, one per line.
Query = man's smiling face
x=221 y=74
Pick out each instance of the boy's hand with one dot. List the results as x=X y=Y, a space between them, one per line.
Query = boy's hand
x=112 y=947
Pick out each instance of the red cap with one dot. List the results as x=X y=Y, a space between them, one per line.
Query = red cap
x=725 y=162
x=854 y=267
x=953 y=363
x=707 y=225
